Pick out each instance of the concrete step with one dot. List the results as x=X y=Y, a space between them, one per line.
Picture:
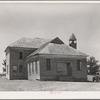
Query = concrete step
x=65 y=78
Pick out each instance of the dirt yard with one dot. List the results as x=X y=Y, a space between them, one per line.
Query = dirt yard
x=27 y=85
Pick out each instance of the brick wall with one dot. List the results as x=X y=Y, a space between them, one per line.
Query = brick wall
x=43 y=74
x=14 y=60
x=77 y=75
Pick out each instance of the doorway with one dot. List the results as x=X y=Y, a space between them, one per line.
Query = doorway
x=64 y=69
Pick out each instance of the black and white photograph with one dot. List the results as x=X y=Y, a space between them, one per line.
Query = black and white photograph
x=49 y=46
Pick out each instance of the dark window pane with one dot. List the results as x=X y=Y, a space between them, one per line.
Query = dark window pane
x=69 y=69
x=48 y=64
x=20 y=55
x=78 y=65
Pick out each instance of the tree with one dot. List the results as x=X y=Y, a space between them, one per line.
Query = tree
x=93 y=65
x=4 y=64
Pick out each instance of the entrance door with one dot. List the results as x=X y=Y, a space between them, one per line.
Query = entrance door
x=69 y=69
x=62 y=69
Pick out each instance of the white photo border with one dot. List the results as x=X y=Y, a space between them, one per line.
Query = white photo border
x=48 y=94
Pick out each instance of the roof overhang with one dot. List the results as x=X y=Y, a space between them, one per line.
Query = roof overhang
x=59 y=56
x=66 y=56
x=6 y=49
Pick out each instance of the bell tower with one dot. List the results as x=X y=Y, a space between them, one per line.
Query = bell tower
x=73 y=41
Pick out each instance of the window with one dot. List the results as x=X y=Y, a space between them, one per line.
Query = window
x=78 y=65
x=20 y=68
x=69 y=69
x=20 y=55
x=15 y=69
x=48 y=64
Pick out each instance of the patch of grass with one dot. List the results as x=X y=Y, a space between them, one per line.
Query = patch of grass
x=27 y=85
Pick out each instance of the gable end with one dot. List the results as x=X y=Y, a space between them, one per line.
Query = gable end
x=57 y=41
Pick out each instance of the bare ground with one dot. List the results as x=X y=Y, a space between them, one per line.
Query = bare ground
x=27 y=85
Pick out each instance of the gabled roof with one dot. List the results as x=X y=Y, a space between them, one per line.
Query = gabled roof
x=57 y=41
x=52 y=48
x=29 y=42
x=72 y=38
x=34 y=42
x=46 y=46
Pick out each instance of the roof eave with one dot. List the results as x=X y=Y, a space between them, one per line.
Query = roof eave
x=31 y=55
x=6 y=49
x=63 y=55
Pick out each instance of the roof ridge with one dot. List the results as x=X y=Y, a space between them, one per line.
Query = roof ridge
x=57 y=40
x=16 y=41
x=37 y=38
x=27 y=38
x=73 y=51
x=40 y=48
x=45 y=44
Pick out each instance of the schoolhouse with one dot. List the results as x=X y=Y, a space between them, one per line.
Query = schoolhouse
x=45 y=59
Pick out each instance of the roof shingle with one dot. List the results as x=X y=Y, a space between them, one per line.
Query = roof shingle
x=46 y=46
x=51 y=48
x=29 y=42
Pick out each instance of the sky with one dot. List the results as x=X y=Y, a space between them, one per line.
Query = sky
x=50 y=20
